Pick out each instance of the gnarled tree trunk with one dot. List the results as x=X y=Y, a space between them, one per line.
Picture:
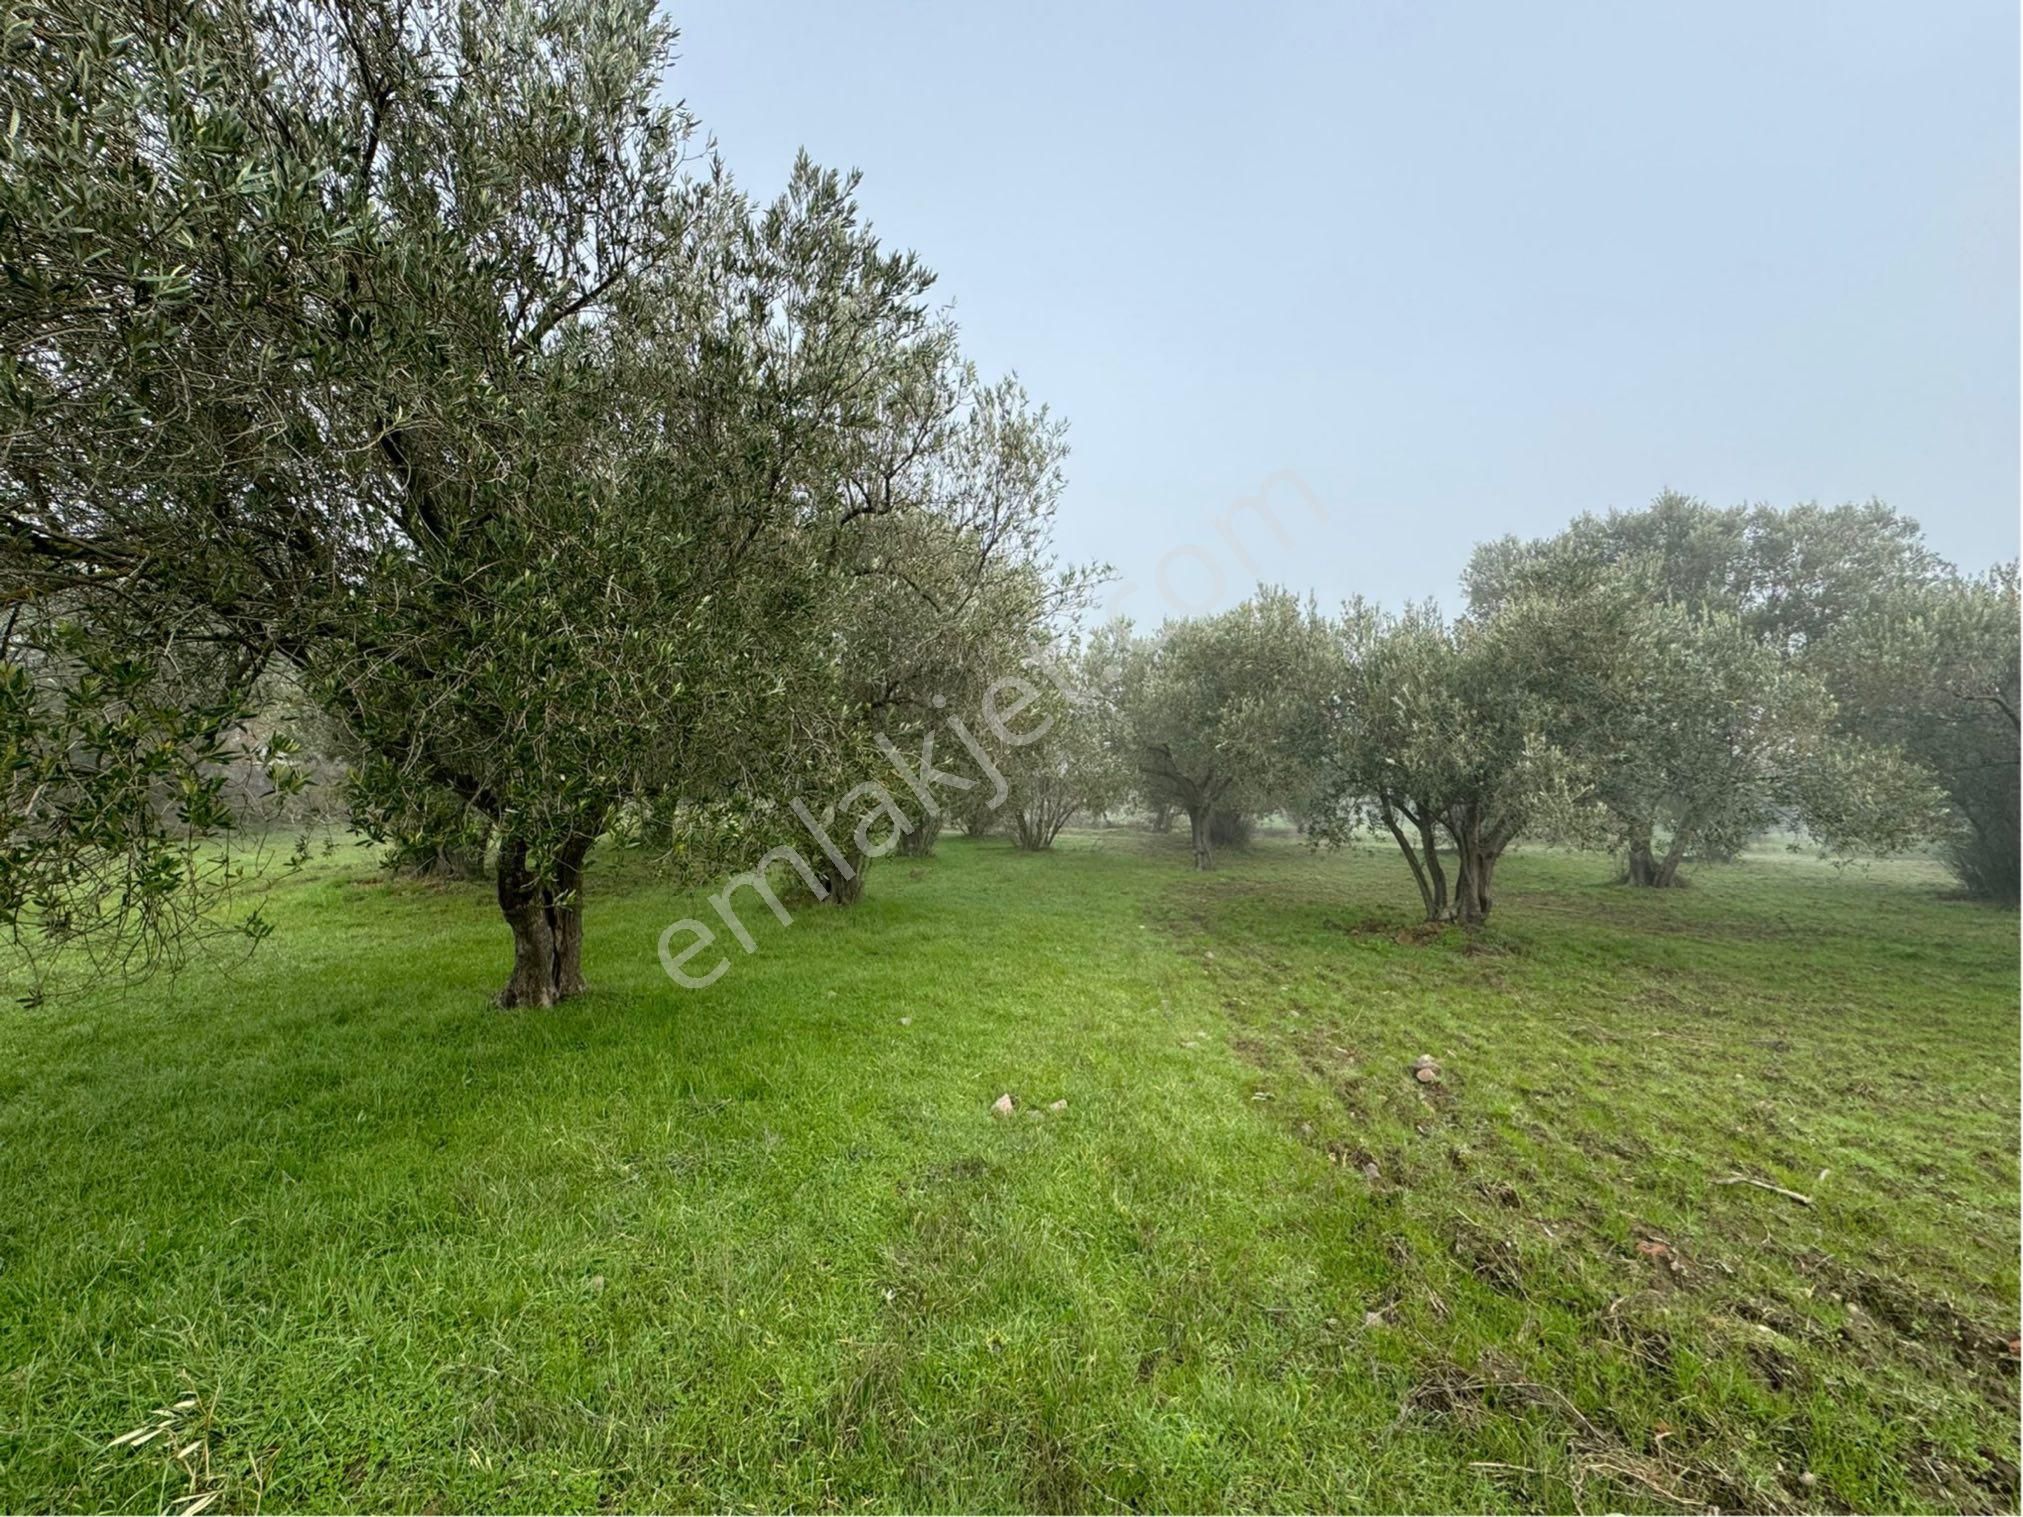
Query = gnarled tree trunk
x=1429 y=840
x=565 y=918
x=1478 y=846
x=1646 y=868
x=847 y=889
x=1196 y=794
x=1472 y=898
x=520 y=903
x=546 y=919
x=919 y=843
x=1642 y=868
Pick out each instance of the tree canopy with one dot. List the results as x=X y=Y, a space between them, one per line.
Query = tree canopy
x=403 y=344
x=1214 y=705
x=1736 y=718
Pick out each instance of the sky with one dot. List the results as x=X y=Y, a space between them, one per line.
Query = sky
x=1419 y=275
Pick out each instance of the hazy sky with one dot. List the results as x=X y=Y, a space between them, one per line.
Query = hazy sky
x=1453 y=270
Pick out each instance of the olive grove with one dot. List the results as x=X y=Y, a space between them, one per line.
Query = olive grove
x=1668 y=684
x=411 y=368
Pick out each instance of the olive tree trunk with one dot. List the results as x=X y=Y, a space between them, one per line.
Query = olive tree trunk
x=1642 y=868
x=546 y=920
x=1478 y=846
x=919 y=843
x=1472 y=897
x=1194 y=793
x=847 y=888
x=1646 y=867
x=1198 y=819
x=1423 y=854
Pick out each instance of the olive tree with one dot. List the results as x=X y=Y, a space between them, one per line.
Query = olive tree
x=1596 y=718
x=1077 y=762
x=392 y=342
x=1215 y=708
x=1450 y=737
x=1714 y=737
x=1754 y=594
x=946 y=585
x=1934 y=672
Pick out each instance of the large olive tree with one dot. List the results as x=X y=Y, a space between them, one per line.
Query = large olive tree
x=1715 y=737
x=393 y=341
x=1728 y=713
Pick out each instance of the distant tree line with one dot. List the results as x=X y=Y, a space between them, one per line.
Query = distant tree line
x=1669 y=683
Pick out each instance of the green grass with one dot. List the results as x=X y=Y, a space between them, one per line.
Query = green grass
x=765 y=1246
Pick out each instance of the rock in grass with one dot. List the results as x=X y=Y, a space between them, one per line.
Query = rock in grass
x=1060 y=1105
x=1002 y=1106
x=1426 y=1069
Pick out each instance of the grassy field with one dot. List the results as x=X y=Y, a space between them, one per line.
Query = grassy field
x=372 y=1244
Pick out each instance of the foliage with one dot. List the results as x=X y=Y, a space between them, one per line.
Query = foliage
x=1078 y=763
x=947 y=582
x=1935 y=673
x=1724 y=725
x=1790 y=576
x=114 y=773
x=393 y=342
x=1714 y=738
x=1220 y=710
x=1478 y=730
